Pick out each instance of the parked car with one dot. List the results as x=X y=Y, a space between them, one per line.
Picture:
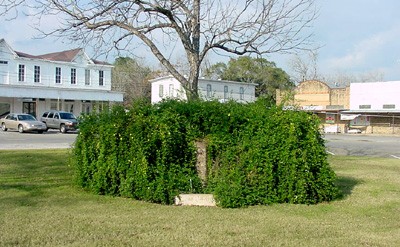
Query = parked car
x=63 y=121
x=22 y=122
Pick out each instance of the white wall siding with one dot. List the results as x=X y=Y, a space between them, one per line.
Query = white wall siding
x=217 y=91
x=166 y=88
x=48 y=74
x=5 y=56
x=375 y=95
x=233 y=92
x=9 y=72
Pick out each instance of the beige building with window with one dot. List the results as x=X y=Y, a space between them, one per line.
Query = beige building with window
x=321 y=98
x=360 y=107
x=310 y=95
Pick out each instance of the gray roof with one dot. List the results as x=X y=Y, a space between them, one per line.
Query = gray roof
x=335 y=85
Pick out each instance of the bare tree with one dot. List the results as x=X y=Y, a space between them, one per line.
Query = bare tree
x=130 y=76
x=305 y=67
x=372 y=76
x=340 y=78
x=343 y=78
x=198 y=26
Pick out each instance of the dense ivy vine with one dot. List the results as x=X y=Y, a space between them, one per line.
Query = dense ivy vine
x=255 y=155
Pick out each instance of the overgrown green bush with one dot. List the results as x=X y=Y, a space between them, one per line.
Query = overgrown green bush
x=255 y=155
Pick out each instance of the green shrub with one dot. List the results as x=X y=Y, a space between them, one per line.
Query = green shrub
x=255 y=155
x=143 y=153
x=278 y=157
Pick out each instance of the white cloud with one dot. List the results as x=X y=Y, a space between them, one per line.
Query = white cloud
x=376 y=52
x=362 y=52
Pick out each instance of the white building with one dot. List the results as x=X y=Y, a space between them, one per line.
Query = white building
x=169 y=87
x=67 y=80
x=375 y=96
x=374 y=107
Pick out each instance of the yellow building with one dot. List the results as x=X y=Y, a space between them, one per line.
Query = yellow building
x=317 y=95
x=320 y=98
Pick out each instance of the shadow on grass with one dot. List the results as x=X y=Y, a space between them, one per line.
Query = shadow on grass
x=22 y=194
x=29 y=193
x=346 y=186
x=29 y=184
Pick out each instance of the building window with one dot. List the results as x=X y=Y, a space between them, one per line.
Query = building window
x=209 y=89
x=101 y=77
x=389 y=106
x=3 y=62
x=364 y=107
x=36 y=75
x=87 y=77
x=73 y=76
x=58 y=75
x=171 y=90
x=241 y=93
x=21 y=72
x=330 y=118
x=161 y=91
x=225 y=92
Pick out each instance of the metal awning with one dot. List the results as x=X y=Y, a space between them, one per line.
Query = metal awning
x=16 y=91
x=348 y=116
x=369 y=112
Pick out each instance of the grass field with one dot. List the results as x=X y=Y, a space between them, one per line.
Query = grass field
x=40 y=206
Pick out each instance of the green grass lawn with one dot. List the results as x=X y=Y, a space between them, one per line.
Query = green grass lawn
x=40 y=206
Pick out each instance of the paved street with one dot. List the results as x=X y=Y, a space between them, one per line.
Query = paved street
x=47 y=140
x=337 y=144
x=363 y=145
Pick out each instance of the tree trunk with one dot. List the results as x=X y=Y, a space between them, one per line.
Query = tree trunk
x=194 y=55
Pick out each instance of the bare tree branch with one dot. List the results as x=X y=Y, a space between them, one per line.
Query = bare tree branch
x=305 y=67
x=198 y=26
x=9 y=8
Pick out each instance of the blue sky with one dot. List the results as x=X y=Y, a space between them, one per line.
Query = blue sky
x=356 y=36
x=359 y=36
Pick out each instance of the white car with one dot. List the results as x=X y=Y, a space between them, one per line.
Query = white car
x=22 y=122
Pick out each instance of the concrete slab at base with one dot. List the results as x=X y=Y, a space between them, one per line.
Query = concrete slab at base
x=195 y=200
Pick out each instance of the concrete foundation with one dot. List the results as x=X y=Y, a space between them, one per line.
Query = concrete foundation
x=195 y=200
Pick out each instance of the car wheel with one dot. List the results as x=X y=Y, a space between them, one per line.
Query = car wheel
x=40 y=131
x=3 y=127
x=63 y=129
x=21 y=128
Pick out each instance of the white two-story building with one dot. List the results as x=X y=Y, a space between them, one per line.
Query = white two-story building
x=169 y=87
x=67 y=80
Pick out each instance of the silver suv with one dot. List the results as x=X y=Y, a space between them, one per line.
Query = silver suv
x=63 y=121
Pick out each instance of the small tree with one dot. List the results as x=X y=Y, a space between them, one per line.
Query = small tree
x=260 y=71
x=198 y=27
x=131 y=78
